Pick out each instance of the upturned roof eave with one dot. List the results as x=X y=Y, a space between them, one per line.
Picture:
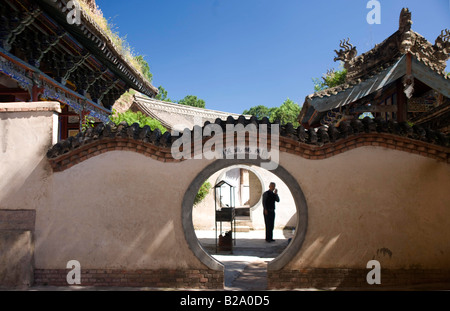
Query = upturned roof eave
x=101 y=46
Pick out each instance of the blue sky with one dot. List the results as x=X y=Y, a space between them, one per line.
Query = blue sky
x=236 y=54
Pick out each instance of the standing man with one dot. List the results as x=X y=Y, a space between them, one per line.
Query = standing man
x=269 y=199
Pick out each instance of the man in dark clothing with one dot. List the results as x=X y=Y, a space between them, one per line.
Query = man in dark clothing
x=269 y=199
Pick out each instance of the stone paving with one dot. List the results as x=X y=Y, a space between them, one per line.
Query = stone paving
x=246 y=267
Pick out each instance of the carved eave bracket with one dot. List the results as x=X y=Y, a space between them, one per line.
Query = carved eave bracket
x=109 y=88
x=48 y=44
x=23 y=77
x=408 y=85
x=24 y=21
x=93 y=78
x=76 y=64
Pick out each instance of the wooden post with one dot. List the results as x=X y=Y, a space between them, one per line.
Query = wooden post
x=35 y=92
x=402 y=101
x=408 y=64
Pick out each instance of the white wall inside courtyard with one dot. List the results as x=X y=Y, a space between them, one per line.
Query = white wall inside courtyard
x=374 y=203
x=124 y=210
x=203 y=213
x=27 y=130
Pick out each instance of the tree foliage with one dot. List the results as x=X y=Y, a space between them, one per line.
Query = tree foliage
x=260 y=112
x=331 y=79
x=286 y=113
x=202 y=192
x=131 y=117
x=162 y=95
x=191 y=100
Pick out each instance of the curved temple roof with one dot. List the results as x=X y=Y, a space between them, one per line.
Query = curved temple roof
x=175 y=116
x=384 y=64
x=94 y=38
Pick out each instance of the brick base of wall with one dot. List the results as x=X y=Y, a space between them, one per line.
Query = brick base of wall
x=164 y=278
x=355 y=278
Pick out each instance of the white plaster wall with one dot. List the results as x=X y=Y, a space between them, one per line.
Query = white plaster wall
x=123 y=210
x=117 y=210
x=372 y=201
x=203 y=215
x=25 y=137
x=24 y=140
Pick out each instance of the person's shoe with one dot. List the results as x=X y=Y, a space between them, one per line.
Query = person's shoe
x=272 y=240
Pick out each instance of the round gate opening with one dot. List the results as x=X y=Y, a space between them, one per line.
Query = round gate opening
x=239 y=189
x=209 y=236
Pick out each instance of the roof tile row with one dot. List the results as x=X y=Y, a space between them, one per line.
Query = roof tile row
x=318 y=137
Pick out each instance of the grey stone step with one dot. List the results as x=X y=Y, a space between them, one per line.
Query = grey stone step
x=242 y=229
x=247 y=223
x=243 y=217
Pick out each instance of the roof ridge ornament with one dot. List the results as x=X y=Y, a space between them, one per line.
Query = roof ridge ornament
x=442 y=47
x=405 y=22
x=406 y=37
x=402 y=42
x=347 y=53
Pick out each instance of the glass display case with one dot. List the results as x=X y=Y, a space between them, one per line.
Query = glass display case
x=224 y=198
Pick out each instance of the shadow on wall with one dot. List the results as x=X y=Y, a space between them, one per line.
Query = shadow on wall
x=291 y=226
x=25 y=186
x=24 y=191
x=16 y=258
x=372 y=276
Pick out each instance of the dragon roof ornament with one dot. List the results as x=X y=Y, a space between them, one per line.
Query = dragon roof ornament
x=346 y=54
x=402 y=42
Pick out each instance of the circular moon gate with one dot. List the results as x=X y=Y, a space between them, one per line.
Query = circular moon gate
x=300 y=202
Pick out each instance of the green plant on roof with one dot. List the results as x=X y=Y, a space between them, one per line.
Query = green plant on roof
x=121 y=44
x=331 y=79
x=88 y=122
x=131 y=117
